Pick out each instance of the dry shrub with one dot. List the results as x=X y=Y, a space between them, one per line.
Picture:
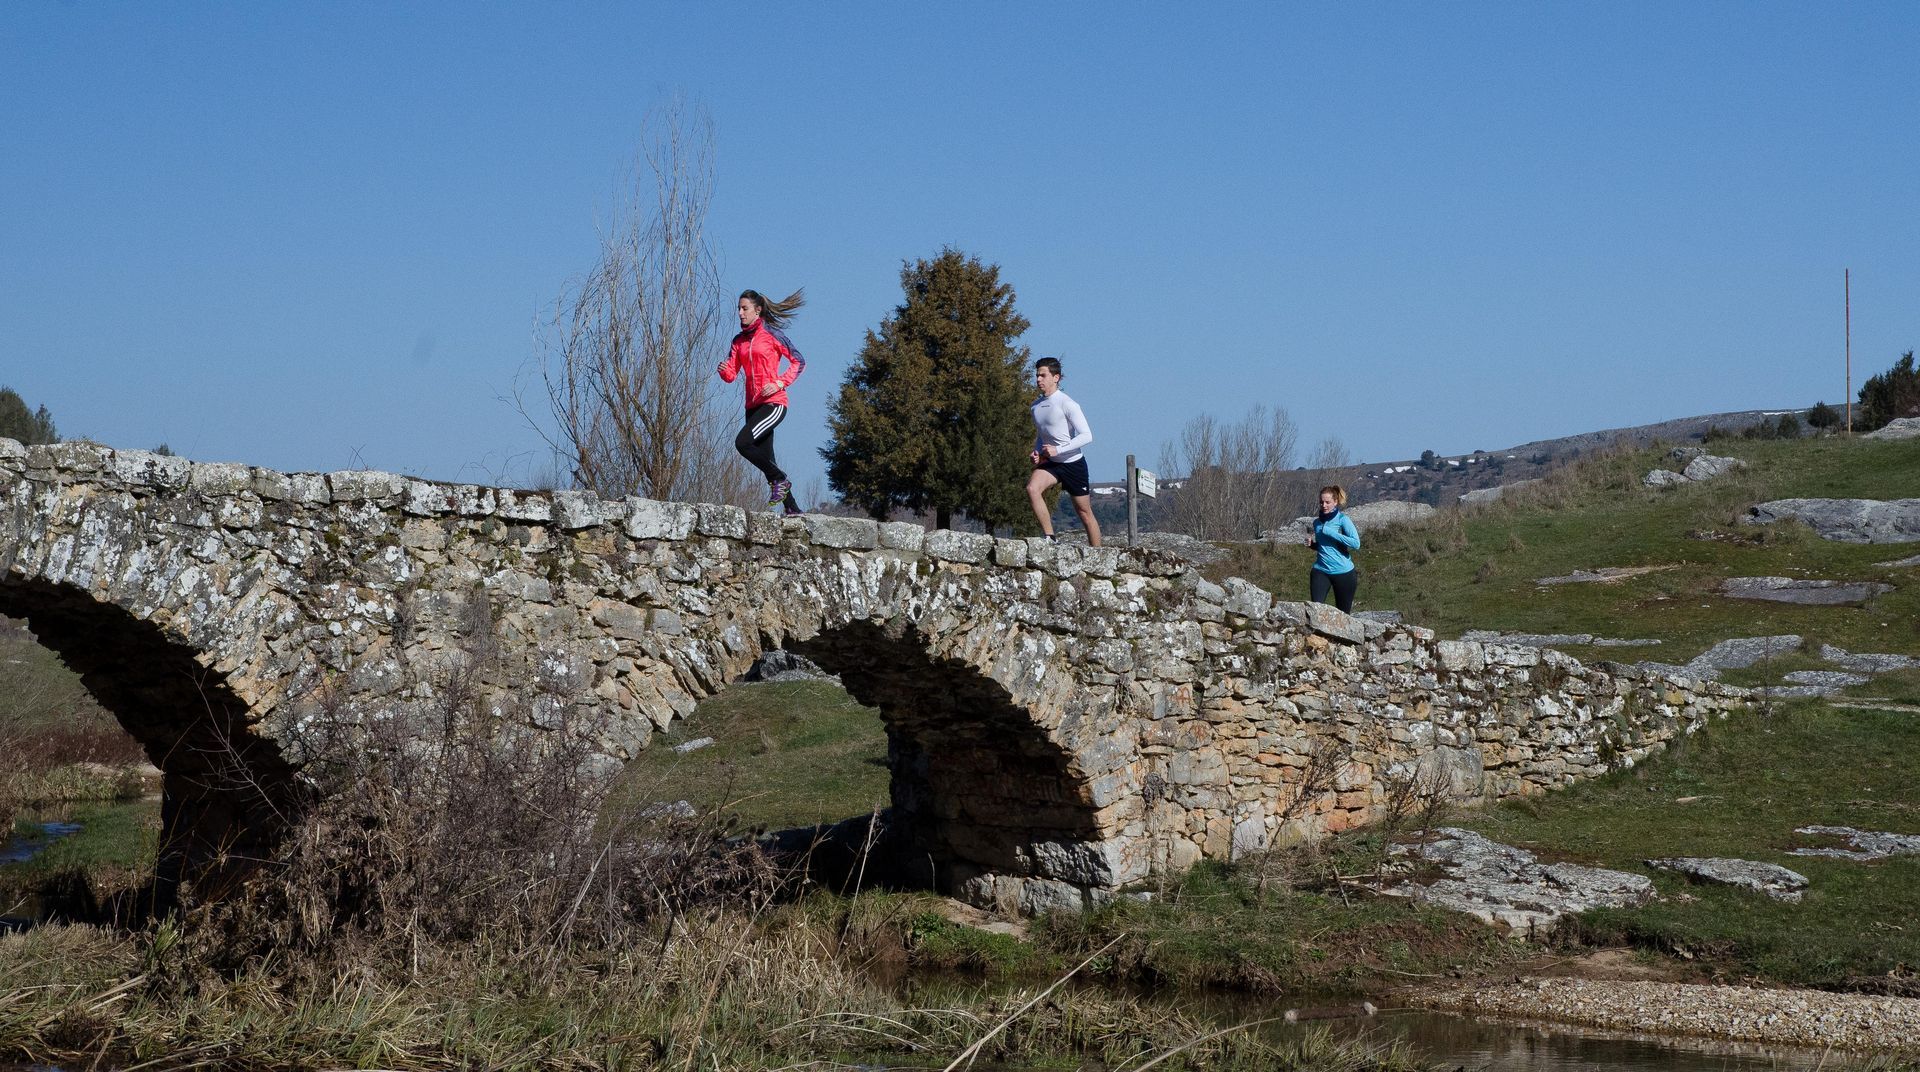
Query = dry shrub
x=464 y=817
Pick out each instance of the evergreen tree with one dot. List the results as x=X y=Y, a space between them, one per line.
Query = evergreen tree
x=1893 y=393
x=16 y=422
x=934 y=415
x=1823 y=416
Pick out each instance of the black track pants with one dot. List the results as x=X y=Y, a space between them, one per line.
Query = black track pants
x=1343 y=585
x=755 y=441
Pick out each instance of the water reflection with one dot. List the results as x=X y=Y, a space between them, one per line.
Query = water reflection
x=1451 y=1041
x=24 y=846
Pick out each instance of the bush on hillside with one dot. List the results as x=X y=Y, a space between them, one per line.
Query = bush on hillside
x=1823 y=416
x=1892 y=394
x=27 y=426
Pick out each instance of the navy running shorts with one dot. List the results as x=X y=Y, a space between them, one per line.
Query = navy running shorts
x=1071 y=475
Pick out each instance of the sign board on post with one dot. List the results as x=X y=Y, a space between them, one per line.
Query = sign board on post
x=1145 y=483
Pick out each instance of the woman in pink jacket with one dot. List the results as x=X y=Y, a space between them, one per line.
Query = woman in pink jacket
x=757 y=352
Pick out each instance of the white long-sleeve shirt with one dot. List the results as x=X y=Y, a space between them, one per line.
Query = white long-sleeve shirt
x=1059 y=424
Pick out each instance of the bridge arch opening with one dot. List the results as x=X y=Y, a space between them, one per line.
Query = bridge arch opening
x=979 y=791
x=227 y=792
x=979 y=799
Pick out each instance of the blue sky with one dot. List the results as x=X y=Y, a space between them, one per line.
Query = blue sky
x=321 y=235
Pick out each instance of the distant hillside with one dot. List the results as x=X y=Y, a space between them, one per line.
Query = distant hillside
x=1441 y=479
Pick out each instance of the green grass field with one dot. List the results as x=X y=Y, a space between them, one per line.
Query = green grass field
x=785 y=754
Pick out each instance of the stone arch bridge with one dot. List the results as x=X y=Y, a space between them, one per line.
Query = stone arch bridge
x=1062 y=720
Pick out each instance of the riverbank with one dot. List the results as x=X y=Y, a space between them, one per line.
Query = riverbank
x=1811 y=1018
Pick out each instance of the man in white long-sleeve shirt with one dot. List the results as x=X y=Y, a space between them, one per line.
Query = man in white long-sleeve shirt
x=1060 y=431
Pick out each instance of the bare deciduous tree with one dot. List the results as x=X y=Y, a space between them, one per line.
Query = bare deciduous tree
x=1239 y=477
x=627 y=360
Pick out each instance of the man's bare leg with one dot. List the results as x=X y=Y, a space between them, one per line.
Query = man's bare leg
x=1037 y=486
x=1083 y=505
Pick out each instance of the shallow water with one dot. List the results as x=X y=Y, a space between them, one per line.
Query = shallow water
x=1450 y=1041
x=28 y=843
x=1498 y=1046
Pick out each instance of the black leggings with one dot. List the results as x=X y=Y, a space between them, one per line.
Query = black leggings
x=755 y=441
x=1343 y=585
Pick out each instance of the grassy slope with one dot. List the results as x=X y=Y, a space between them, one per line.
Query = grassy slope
x=784 y=754
x=1748 y=782
x=1478 y=570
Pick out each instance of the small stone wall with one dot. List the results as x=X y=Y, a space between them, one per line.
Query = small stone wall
x=1062 y=720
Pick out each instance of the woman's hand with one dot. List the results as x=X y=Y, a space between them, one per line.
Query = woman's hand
x=769 y=391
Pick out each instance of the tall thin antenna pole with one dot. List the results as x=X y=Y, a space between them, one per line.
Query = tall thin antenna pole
x=1848 y=277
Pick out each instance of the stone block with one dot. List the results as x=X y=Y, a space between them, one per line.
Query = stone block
x=1039 y=896
x=305 y=489
x=902 y=536
x=573 y=509
x=1460 y=656
x=714 y=519
x=148 y=470
x=220 y=478
x=1010 y=553
x=1202 y=588
x=1099 y=561
x=623 y=620
x=426 y=499
x=763 y=529
x=1249 y=837
x=522 y=505
x=842 y=533
x=1246 y=599
x=1331 y=622
x=1287 y=612
x=650 y=519
x=364 y=485
x=970 y=547
x=75 y=457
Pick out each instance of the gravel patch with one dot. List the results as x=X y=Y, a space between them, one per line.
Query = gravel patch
x=1789 y=1017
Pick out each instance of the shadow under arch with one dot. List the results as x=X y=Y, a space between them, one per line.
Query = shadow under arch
x=978 y=788
x=228 y=793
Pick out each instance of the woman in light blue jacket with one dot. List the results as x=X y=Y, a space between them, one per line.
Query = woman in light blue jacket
x=1334 y=541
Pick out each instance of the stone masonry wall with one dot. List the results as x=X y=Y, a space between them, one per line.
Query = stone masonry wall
x=1063 y=720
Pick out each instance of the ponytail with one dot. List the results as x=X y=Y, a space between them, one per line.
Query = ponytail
x=776 y=313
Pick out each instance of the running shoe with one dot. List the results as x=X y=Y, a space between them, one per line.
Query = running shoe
x=777 y=492
x=792 y=511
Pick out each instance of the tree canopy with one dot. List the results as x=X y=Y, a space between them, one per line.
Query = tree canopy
x=17 y=422
x=933 y=414
x=1894 y=393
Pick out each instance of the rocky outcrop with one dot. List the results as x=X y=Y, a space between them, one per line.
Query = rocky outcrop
x=1863 y=845
x=1497 y=883
x=1482 y=496
x=1846 y=520
x=1604 y=575
x=1553 y=640
x=1867 y=662
x=1770 y=880
x=1699 y=466
x=1898 y=428
x=1803 y=592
